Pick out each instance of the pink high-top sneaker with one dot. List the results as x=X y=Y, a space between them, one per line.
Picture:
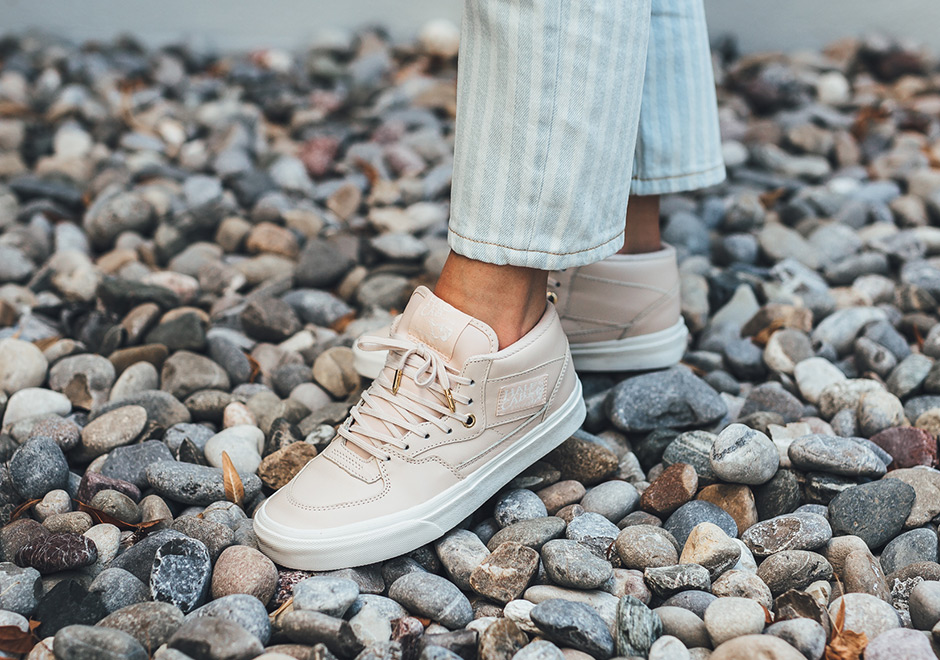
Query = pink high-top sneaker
x=448 y=422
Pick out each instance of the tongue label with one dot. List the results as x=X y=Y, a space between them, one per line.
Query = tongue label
x=438 y=325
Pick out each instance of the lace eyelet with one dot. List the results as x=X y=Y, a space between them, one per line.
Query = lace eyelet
x=388 y=459
x=449 y=431
x=552 y=297
x=469 y=401
x=427 y=436
x=470 y=421
x=472 y=382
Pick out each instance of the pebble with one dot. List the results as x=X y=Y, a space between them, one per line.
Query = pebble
x=504 y=574
x=674 y=398
x=434 y=597
x=533 y=533
x=570 y=564
x=666 y=581
x=224 y=639
x=760 y=646
x=908 y=446
x=611 y=499
x=150 y=623
x=728 y=618
x=461 y=551
x=681 y=523
x=875 y=512
x=638 y=627
x=575 y=625
x=20 y=588
x=835 y=455
x=646 y=546
x=247 y=611
x=119 y=589
x=194 y=484
x=924 y=604
x=899 y=643
x=518 y=505
x=58 y=552
x=708 y=546
x=805 y=635
x=113 y=429
x=329 y=595
x=793 y=569
x=676 y=485
x=796 y=531
x=243 y=570
x=181 y=573
x=743 y=455
x=684 y=625
x=23 y=365
x=865 y=614
x=34 y=402
x=105 y=643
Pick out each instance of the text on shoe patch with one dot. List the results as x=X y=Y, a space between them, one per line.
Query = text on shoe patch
x=522 y=395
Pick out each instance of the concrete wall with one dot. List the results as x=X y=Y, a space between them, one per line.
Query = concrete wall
x=246 y=24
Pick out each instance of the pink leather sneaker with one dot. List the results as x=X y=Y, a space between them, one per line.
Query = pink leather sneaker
x=448 y=422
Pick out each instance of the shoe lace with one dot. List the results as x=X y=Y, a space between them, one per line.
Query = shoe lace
x=407 y=410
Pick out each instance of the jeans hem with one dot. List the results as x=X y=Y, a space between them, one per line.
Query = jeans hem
x=678 y=183
x=502 y=255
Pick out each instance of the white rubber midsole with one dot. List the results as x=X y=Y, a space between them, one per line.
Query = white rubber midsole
x=650 y=351
x=396 y=534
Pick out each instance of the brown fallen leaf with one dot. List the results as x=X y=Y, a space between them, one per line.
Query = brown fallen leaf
x=763 y=335
x=844 y=644
x=98 y=516
x=15 y=641
x=21 y=510
x=234 y=490
x=255 y=368
x=768 y=617
x=284 y=606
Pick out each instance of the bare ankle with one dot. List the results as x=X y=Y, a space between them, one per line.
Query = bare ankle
x=641 y=232
x=510 y=299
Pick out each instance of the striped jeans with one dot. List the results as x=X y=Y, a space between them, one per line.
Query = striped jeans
x=566 y=106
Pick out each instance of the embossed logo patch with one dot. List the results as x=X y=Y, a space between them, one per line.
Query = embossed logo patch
x=522 y=395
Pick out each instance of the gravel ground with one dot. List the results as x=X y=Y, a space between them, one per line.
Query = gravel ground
x=191 y=243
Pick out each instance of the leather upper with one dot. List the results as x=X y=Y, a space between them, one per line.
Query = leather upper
x=622 y=296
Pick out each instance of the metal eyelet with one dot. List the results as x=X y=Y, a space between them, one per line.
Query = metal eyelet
x=427 y=436
x=388 y=459
x=449 y=431
x=552 y=297
x=406 y=447
x=470 y=421
x=469 y=401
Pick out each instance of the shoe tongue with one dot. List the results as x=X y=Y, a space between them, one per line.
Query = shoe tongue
x=455 y=336
x=444 y=328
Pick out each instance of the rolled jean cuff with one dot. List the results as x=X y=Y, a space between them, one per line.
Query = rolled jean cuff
x=663 y=185
x=494 y=253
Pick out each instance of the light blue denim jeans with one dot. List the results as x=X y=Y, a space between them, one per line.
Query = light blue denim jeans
x=565 y=107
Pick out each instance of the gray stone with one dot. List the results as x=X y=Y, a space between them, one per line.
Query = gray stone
x=574 y=624
x=908 y=548
x=875 y=512
x=118 y=588
x=215 y=639
x=247 y=611
x=637 y=627
x=20 y=588
x=329 y=595
x=793 y=569
x=434 y=597
x=571 y=564
x=674 y=398
x=866 y=614
x=611 y=499
x=150 y=623
x=181 y=573
x=744 y=456
x=727 y=618
x=805 y=635
x=518 y=505
x=681 y=523
x=37 y=467
x=461 y=551
x=666 y=581
x=80 y=641
x=794 y=531
x=835 y=455
x=195 y=484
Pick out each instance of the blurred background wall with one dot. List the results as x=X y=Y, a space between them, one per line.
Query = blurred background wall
x=244 y=24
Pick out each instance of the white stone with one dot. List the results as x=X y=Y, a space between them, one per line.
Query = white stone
x=815 y=374
x=33 y=402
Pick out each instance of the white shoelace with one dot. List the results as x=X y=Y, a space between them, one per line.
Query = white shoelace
x=434 y=402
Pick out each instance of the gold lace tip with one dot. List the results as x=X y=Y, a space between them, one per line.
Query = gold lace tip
x=450 y=400
x=396 y=382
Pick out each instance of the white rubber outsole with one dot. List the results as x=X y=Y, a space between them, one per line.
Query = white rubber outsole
x=396 y=534
x=655 y=350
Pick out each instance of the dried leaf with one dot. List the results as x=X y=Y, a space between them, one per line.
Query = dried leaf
x=845 y=644
x=768 y=617
x=763 y=335
x=46 y=342
x=19 y=511
x=255 y=368
x=771 y=197
x=15 y=641
x=284 y=606
x=369 y=170
x=234 y=490
x=99 y=516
